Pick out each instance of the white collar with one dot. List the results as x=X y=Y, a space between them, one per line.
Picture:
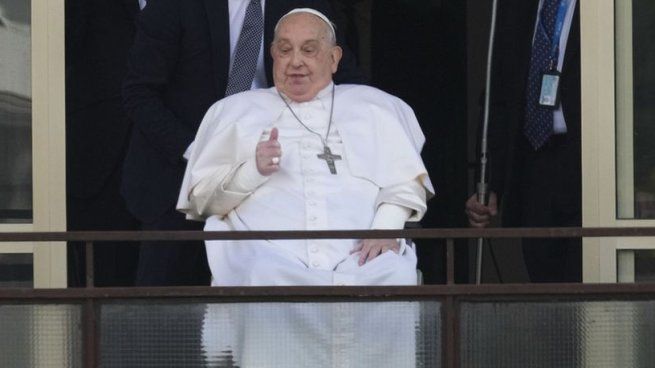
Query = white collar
x=324 y=96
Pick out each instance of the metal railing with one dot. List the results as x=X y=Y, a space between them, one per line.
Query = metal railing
x=451 y=295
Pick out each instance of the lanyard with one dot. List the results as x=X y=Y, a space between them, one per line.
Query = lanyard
x=557 y=32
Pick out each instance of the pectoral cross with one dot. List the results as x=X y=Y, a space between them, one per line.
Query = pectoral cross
x=329 y=159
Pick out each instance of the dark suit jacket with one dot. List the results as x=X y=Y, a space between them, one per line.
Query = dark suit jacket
x=513 y=42
x=99 y=34
x=178 y=67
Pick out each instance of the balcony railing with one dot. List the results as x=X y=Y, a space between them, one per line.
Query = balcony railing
x=451 y=325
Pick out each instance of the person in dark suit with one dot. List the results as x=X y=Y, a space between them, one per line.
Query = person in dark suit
x=99 y=34
x=538 y=184
x=179 y=66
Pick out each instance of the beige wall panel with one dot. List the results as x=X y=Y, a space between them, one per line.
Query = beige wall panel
x=48 y=75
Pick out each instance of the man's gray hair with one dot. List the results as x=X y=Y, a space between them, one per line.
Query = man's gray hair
x=332 y=34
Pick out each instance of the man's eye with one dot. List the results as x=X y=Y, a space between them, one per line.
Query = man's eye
x=309 y=50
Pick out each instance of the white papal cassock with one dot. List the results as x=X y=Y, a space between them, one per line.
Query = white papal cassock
x=379 y=141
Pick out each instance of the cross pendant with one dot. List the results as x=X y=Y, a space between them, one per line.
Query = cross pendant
x=329 y=159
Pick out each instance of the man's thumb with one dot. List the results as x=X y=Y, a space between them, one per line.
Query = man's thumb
x=274 y=134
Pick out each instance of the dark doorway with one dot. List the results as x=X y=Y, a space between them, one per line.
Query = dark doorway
x=417 y=51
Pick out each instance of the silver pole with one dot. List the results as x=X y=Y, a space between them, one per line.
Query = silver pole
x=482 y=186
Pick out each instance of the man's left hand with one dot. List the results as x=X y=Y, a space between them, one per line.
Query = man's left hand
x=371 y=248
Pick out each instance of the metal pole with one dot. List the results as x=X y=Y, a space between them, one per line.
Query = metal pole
x=450 y=261
x=482 y=186
x=89 y=265
x=90 y=332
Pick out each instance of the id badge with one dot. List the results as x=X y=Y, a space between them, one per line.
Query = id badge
x=549 y=96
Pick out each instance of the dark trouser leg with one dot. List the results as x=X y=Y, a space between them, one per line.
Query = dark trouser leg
x=551 y=197
x=114 y=262
x=173 y=263
x=168 y=334
x=556 y=260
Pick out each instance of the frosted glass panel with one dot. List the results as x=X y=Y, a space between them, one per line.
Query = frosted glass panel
x=603 y=334
x=363 y=334
x=44 y=336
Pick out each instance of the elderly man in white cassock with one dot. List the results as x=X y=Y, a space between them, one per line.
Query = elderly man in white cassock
x=307 y=155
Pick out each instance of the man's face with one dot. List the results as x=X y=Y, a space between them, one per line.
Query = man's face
x=303 y=57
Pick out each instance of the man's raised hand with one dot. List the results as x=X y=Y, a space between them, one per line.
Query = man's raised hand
x=268 y=154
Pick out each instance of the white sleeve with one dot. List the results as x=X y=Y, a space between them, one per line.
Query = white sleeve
x=410 y=195
x=390 y=216
x=246 y=179
x=398 y=204
x=219 y=194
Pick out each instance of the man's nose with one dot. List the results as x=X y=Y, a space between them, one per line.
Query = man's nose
x=297 y=59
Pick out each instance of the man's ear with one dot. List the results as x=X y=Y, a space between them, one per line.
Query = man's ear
x=336 y=54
